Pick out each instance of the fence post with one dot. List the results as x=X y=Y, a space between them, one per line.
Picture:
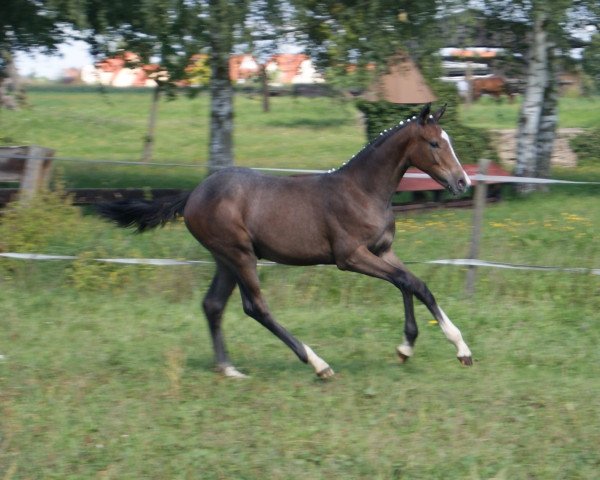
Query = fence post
x=480 y=199
x=469 y=80
x=35 y=174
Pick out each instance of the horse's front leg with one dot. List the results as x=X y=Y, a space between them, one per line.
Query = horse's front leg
x=363 y=261
x=411 y=331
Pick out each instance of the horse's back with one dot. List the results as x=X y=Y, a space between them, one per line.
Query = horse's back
x=251 y=188
x=222 y=197
x=280 y=218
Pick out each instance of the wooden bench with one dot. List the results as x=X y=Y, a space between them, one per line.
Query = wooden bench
x=421 y=188
x=29 y=166
x=429 y=184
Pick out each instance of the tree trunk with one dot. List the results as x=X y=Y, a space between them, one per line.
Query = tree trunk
x=149 y=139
x=548 y=121
x=221 y=90
x=12 y=93
x=533 y=101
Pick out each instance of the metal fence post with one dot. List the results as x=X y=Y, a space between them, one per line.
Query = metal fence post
x=479 y=200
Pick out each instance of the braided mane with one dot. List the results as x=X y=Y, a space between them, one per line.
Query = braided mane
x=377 y=141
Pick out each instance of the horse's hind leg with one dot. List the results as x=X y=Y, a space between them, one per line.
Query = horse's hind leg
x=213 y=305
x=256 y=307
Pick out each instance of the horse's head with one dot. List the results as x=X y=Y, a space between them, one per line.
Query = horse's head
x=431 y=151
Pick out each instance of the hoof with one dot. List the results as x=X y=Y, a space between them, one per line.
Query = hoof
x=230 y=371
x=403 y=358
x=465 y=361
x=326 y=373
x=404 y=353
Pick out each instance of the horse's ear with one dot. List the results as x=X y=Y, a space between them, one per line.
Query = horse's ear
x=424 y=113
x=437 y=115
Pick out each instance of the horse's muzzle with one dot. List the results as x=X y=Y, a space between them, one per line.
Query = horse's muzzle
x=459 y=183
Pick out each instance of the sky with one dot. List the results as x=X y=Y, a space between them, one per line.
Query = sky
x=72 y=54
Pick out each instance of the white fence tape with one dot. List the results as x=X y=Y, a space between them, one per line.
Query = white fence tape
x=37 y=256
x=461 y=262
x=478 y=176
x=509 y=179
x=467 y=262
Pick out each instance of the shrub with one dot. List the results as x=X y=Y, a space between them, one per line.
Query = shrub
x=32 y=226
x=587 y=146
x=49 y=223
x=87 y=274
x=471 y=144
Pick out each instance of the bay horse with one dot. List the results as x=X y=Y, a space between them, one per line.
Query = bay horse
x=343 y=217
x=494 y=85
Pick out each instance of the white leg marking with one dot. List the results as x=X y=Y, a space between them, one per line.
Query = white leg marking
x=232 y=372
x=405 y=348
x=453 y=335
x=317 y=362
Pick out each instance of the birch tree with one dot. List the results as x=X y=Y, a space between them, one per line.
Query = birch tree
x=537 y=31
x=221 y=25
x=175 y=30
x=538 y=116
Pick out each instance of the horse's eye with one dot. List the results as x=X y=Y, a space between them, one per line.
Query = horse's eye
x=434 y=144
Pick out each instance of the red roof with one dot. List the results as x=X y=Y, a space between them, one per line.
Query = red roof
x=128 y=60
x=288 y=64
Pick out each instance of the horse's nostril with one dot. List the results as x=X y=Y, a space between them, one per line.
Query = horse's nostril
x=461 y=183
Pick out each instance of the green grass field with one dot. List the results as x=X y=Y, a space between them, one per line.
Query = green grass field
x=574 y=112
x=88 y=125
x=106 y=369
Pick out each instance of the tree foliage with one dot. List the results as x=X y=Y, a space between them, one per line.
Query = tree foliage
x=26 y=25
x=342 y=33
x=472 y=143
x=336 y=33
x=591 y=61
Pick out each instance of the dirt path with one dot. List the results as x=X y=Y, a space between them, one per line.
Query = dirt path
x=562 y=154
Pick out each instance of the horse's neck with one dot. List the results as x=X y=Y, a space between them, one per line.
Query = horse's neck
x=379 y=173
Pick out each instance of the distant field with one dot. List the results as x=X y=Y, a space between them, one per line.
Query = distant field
x=105 y=369
x=298 y=133
x=572 y=112
x=315 y=133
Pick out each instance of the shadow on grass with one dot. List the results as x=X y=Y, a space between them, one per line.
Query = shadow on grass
x=284 y=365
x=81 y=175
x=314 y=123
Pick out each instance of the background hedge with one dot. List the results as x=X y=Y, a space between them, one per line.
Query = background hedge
x=470 y=144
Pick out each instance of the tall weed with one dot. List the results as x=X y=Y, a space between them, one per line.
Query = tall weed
x=32 y=226
x=50 y=224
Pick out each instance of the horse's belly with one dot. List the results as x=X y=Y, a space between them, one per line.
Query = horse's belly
x=293 y=244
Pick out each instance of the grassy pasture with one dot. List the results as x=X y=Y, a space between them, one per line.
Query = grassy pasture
x=106 y=369
x=574 y=112
x=299 y=133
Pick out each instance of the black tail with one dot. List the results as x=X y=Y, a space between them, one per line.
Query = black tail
x=145 y=214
